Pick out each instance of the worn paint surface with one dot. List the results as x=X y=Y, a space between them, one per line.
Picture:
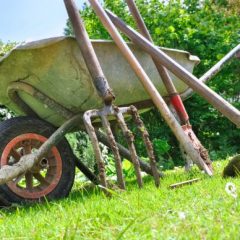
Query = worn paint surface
x=55 y=67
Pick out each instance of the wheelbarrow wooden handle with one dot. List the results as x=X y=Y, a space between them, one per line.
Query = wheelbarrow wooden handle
x=203 y=90
x=88 y=53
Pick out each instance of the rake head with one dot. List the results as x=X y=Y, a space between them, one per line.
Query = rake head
x=117 y=113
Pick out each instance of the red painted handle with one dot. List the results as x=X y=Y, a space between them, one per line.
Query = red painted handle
x=179 y=107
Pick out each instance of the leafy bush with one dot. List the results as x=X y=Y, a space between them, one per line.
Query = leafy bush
x=82 y=148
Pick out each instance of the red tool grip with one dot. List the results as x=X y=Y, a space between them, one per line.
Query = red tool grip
x=177 y=103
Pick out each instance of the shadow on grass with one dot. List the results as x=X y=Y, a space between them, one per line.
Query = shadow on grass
x=77 y=195
x=82 y=192
x=85 y=191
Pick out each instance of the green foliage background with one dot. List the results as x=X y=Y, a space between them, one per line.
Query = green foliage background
x=208 y=29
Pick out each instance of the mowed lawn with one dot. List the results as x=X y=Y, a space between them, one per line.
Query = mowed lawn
x=203 y=210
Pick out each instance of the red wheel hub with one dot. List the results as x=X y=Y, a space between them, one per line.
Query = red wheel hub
x=43 y=177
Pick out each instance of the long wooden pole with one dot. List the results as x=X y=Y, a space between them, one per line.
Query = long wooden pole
x=175 y=98
x=203 y=90
x=88 y=53
x=149 y=87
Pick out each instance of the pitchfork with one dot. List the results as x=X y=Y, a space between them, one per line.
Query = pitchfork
x=108 y=111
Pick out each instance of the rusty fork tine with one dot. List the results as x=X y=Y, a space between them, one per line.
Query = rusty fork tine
x=97 y=151
x=106 y=93
x=114 y=148
x=148 y=144
x=118 y=114
x=130 y=139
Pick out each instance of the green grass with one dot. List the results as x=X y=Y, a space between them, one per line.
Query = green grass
x=203 y=210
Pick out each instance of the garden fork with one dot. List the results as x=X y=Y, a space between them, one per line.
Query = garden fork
x=108 y=111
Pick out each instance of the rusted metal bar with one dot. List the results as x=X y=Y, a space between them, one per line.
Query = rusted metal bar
x=113 y=144
x=27 y=88
x=97 y=151
x=130 y=139
x=212 y=97
x=148 y=144
x=13 y=95
x=149 y=87
x=214 y=70
x=88 y=53
x=168 y=83
x=126 y=154
x=7 y=173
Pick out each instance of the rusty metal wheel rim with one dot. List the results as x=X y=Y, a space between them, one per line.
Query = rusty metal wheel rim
x=43 y=177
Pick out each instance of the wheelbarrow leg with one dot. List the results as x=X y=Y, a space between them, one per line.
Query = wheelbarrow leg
x=86 y=171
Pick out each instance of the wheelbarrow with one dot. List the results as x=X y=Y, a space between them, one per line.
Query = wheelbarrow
x=50 y=82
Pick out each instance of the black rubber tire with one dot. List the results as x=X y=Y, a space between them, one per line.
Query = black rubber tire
x=14 y=127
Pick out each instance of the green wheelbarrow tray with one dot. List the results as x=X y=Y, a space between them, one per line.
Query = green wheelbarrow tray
x=55 y=67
